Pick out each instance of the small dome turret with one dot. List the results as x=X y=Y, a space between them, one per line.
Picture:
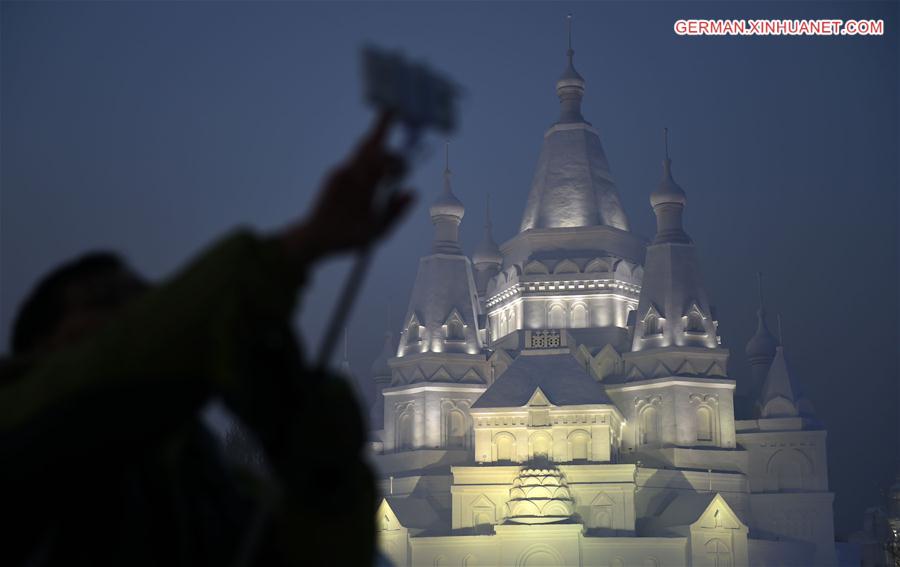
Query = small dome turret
x=668 y=202
x=570 y=86
x=446 y=203
x=668 y=191
x=446 y=213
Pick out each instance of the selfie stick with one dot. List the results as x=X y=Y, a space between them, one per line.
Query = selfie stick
x=348 y=295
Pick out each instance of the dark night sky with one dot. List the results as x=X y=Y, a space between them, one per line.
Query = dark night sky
x=153 y=128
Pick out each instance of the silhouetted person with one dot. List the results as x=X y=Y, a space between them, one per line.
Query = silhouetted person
x=103 y=459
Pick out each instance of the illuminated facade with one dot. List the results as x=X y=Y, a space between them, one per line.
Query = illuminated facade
x=563 y=399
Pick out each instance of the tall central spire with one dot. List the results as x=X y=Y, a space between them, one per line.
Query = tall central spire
x=570 y=86
x=572 y=184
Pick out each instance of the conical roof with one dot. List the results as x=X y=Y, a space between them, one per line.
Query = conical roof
x=779 y=396
x=572 y=185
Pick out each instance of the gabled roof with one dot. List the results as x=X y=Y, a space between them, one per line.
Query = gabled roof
x=411 y=513
x=699 y=509
x=561 y=379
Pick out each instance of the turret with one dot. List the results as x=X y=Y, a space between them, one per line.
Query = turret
x=780 y=395
x=446 y=214
x=674 y=310
x=443 y=311
x=668 y=203
x=760 y=348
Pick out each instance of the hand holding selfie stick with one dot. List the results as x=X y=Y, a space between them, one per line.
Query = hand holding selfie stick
x=420 y=99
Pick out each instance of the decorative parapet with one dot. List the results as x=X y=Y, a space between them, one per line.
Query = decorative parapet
x=551 y=287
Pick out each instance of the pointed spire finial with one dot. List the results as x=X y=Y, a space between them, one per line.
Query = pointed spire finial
x=487 y=211
x=780 y=331
x=571 y=51
x=759 y=284
x=447 y=156
x=666 y=141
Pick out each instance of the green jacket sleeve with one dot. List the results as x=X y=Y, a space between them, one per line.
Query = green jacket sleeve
x=220 y=327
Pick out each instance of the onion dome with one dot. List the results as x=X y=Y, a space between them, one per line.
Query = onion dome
x=446 y=203
x=668 y=205
x=668 y=191
x=446 y=213
x=487 y=251
x=570 y=78
x=539 y=496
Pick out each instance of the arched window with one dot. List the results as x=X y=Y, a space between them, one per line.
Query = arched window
x=602 y=512
x=718 y=554
x=694 y=321
x=456 y=428
x=788 y=469
x=579 y=316
x=405 y=431
x=505 y=446
x=540 y=445
x=556 y=318
x=704 y=424
x=578 y=445
x=504 y=449
x=649 y=425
